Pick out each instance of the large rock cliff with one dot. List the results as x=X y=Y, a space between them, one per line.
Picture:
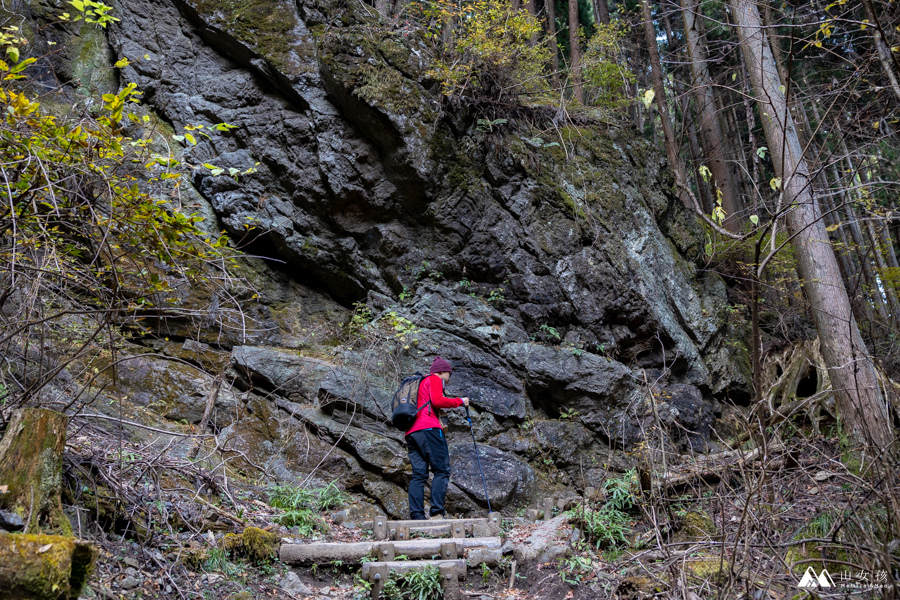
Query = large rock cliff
x=547 y=259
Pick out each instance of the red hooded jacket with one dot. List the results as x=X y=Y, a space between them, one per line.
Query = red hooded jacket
x=432 y=388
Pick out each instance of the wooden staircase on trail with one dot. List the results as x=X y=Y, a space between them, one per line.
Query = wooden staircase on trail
x=445 y=547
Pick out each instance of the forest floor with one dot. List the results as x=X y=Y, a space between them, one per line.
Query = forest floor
x=166 y=517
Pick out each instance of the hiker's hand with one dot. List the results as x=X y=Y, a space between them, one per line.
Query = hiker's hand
x=465 y=401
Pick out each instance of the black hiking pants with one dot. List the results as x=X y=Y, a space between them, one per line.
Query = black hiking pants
x=428 y=448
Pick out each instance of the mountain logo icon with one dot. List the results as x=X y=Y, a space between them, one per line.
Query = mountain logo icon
x=811 y=580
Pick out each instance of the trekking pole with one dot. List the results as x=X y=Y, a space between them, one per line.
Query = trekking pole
x=472 y=429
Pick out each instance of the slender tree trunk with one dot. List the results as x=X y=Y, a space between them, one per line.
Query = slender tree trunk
x=774 y=40
x=688 y=123
x=884 y=52
x=861 y=308
x=383 y=7
x=853 y=377
x=660 y=98
x=856 y=249
x=878 y=253
x=878 y=300
x=551 y=39
x=710 y=127
x=531 y=7
x=575 y=54
x=754 y=157
x=601 y=11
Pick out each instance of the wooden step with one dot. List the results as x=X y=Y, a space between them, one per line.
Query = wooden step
x=479 y=527
x=428 y=523
x=405 y=566
x=322 y=552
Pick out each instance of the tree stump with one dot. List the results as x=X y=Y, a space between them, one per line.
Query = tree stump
x=44 y=567
x=31 y=466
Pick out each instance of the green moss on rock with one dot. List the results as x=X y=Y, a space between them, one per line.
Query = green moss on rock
x=707 y=568
x=38 y=567
x=367 y=63
x=31 y=466
x=254 y=543
x=696 y=525
x=261 y=24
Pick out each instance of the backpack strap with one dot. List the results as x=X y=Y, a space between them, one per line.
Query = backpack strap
x=420 y=409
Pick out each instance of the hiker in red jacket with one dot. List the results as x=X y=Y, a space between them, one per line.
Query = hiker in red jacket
x=426 y=443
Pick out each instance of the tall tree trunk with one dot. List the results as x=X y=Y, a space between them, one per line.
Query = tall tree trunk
x=861 y=309
x=575 y=54
x=531 y=8
x=551 y=39
x=601 y=11
x=856 y=249
x=860 y=402
x=881 y=46
x=710 y=127
x=878 y=300
x=774 y=40
x=878 y=253
x=660 y=98
x=688 y=120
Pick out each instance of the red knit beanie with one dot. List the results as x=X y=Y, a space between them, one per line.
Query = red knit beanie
x=440 y=366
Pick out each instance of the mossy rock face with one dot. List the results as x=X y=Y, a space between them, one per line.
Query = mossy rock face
x=254 y=544
x=707 y=568
x=263 y=25
x=696 y=525
x=86 y=61
x=193 y=558
x=372 y=65
x=31 y=466
x=38 y=567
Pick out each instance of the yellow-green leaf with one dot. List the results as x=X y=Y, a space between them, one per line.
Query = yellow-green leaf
x=705 y=173
x=775 y=183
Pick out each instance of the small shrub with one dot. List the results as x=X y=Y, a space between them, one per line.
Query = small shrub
x=574 y=569
x=608 y=526
x=290 y=497
x=305 y=520
x=550 y=332
x=490 y=57
x=607 y=79
x=217 y=561
x=331 y=497
x=415 y=585
x=303 y=506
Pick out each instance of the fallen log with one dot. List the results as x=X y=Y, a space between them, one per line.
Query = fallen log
x=44 y=567
x=425 y=524
x=322 y=552
x=712 y=467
